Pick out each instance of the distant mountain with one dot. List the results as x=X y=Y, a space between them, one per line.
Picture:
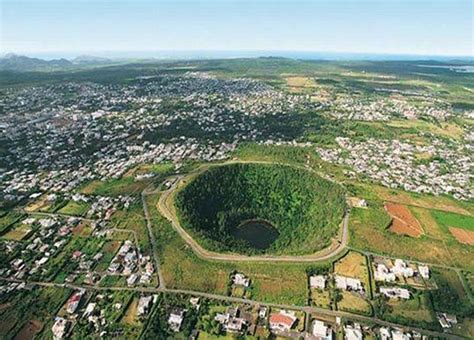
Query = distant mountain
x=16 y=62
x=89 y=59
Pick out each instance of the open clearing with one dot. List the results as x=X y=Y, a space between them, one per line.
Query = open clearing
x=18 y=233
x=130 y=315
x=414 y=309
x=403 y=222
x=74 y=208
x=352 y=302
x=463 y=236
x=351 y=265
x=29 y=330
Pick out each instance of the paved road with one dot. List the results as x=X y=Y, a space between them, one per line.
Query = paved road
x=306 y=309
x=164 y=207
x=151 y=235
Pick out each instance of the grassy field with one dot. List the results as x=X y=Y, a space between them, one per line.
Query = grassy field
x=414 y=310
x=352 y=302
x=320 y=298
x=114 y=187
x=18 y=233
x=74 y=208
x=133 y=219
x=127 y=185
x=450 y=130
x=7 y=219
x=446 y=220
x=450 y=296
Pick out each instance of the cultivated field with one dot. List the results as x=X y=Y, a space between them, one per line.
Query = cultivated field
x=403 y=222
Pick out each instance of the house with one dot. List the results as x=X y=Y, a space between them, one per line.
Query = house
x=73 y=302
x=446 y=320
x=282 y=321
x=395 y=292
x=424 y=271
x=322 y=331
x=231 y=320
x=176 y=319
x=385 y=333
x=59 y=328
x=317 y=281
x=353 y=332
x=402 y=269
x=348 y=283
x=240 y=279
x=144 y=305
x=398 y=334
x=132 y=279
x=382 y=273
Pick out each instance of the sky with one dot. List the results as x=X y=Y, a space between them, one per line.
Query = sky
x=415 y=27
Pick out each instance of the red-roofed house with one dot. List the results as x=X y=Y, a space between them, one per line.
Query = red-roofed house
x=282 y=321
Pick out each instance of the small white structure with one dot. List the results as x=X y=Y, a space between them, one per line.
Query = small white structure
x=321 y=330
x=144 y=305
x=176 y=319
x=384 y=274
x=398 y=334
x=241 y=280
x=446 y=320
x=353 y=332
x=59 y=328
x=132 y=279
x=385 y=333
x=424 y=271
x=402 y=269
x=348 y=283
x=395 y=292
x=317 y=281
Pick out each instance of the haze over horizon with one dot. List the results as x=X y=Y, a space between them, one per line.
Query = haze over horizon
x=51 y=28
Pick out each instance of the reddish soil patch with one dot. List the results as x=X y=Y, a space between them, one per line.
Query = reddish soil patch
x=462 y=235
x=403 y=221
x=29 y=330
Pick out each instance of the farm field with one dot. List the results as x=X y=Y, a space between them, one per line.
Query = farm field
x=403 y=222
x=369 y=232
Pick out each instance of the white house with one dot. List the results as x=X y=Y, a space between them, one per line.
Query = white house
x=424 y=271
x=353 y=332
x=395 y=292
x=348 y=283
x=317 y=281
x=322 y=331
x=241 y=280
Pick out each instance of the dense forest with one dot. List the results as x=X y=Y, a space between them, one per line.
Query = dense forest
x=305 y=209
